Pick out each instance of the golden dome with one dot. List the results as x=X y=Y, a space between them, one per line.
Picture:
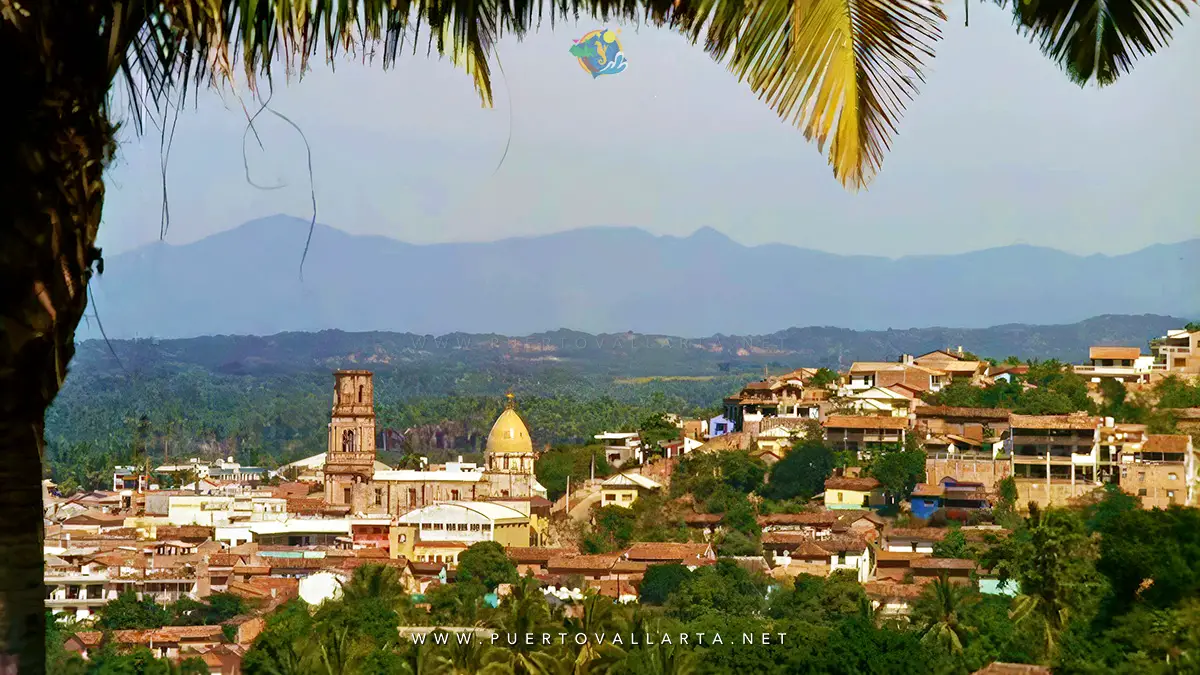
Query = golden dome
x=509 y=435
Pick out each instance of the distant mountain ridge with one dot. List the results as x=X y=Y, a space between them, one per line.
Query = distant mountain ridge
x=246 y=281
x=613 y=355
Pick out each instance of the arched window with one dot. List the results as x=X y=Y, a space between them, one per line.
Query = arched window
x=348 y=440
x=360 y=392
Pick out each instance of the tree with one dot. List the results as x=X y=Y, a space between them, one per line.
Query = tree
x=486 y=564
x=938 y=614
x=660 y=581
x=128 y=612
x=1052 y=559
x=63 y=138
x=899 y=470
x=823 y=378
x=373 y=581
x=953 y=545
x=802 y=471
x=286 y=645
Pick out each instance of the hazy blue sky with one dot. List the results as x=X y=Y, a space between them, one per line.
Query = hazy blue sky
x=999 y=148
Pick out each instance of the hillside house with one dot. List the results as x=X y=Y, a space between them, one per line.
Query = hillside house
x=846 y=492
x=1123 y=364
x=1177 y=352
x=624 y=489
x=865 y=433
x=1162 y=471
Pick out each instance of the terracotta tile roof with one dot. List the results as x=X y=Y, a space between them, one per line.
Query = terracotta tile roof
x=810 y=550
x=262 y=587
x=869 y=422
x=997 y=414
x=223 y=559
x=612 y=588
x=281 y=563
x=815 y=519
x=95 y=517
x=183 y=532
x=1130 y=353
x=291 y=490
x=843 y=542
x=942 y=564
x=667 y=552
x=857 y=484
x=1076 y=422
x=927 y=490
x=896 y=556
x=923 y=533
x=583 y=563
x=999 y=668
x=1172 y=443
x=629 y=567
x=524 y=555
x=884 y=589
x=305 y=505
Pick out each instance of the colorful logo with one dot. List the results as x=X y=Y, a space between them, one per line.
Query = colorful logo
x=599 y=52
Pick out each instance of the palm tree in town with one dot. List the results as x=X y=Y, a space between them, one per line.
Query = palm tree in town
x=938 y=614
x=381 y=582
x=473 y=657
x=841 y=70
x=598 y=616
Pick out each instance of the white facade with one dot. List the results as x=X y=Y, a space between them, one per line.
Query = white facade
x=467 y=522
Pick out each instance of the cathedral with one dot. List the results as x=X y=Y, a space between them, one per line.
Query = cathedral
x=352 y=480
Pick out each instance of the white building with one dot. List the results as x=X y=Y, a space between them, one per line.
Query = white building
x=621 y=448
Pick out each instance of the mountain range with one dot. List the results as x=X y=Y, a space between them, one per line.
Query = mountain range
x=247 y=281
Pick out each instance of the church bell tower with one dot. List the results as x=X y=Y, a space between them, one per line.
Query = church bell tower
x=350 y=454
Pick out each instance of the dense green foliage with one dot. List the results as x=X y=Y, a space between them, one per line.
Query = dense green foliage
x=577 y=462
x=1058 y=390
x=649 y=518
x=486 y=564
x=127 y=612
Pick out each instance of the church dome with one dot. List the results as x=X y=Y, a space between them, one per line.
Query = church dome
x=509 y=435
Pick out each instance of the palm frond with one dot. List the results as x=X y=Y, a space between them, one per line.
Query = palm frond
x=1098 y=39
x=840 y=70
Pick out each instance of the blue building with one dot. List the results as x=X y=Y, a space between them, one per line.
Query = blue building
x=958 y=499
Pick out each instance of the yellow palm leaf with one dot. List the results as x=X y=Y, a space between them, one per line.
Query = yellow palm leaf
x=840 y=70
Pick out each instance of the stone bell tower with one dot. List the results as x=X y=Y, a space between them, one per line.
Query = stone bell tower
x=350 y=454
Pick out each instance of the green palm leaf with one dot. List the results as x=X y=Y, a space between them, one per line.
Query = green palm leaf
x=1098 y=39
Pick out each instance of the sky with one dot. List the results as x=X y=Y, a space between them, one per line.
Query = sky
x=999 y=148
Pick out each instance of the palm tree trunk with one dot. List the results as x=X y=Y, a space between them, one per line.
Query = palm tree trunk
x=50 y=201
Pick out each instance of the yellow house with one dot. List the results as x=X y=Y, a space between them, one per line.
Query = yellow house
x=623 y=489
x=842 y=492
x=440 y=532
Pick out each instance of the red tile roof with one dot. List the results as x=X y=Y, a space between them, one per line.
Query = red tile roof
x=1075 y=422
x=524 y=555
x=922 y=533
x=667 y=552
x=858 y=484
x=1172 y=443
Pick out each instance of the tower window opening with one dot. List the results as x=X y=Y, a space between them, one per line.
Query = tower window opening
x=360 y=393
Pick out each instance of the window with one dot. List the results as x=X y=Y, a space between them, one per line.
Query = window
x=839 y=496
x=1141 y=492
x=1171 y=495
x=412 y=496
x=345 y=495
x=348 y=440
x=842 y=558
x=1141 y=476
x=360 y=393
x=454 y=495
x=378 y=496
x=1172 y=476
x=403 y=538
